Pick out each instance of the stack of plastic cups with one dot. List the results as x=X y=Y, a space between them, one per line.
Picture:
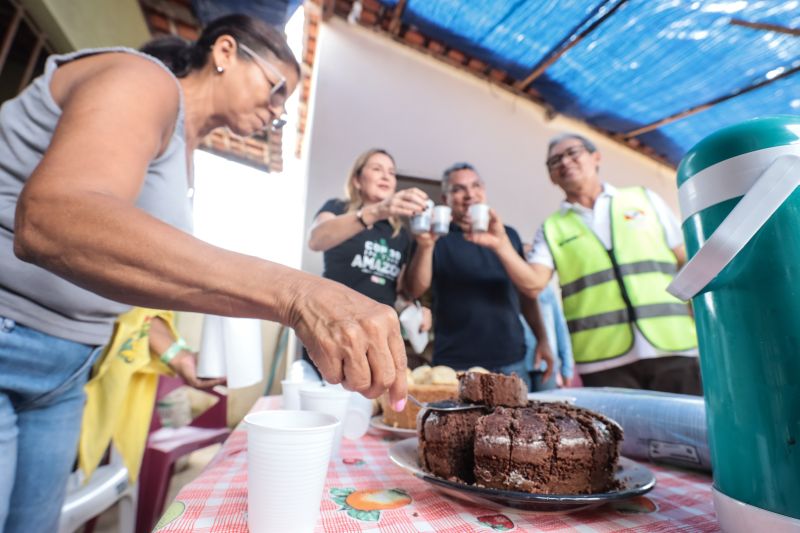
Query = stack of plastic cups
x=359 y=413
x=331 y=400
x=291 y=392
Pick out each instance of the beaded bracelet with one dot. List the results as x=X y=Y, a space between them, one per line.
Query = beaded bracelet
x=170 y=353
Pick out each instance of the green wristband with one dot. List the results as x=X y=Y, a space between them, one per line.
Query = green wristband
x=170 y=353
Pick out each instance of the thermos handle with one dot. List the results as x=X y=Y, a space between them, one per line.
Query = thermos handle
x=766 y=195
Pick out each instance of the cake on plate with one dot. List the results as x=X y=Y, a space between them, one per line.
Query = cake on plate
x=494 y=390
x=539 y=447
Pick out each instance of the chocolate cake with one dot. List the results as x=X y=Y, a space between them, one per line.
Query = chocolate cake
x=540 y=447
x=445 y=443
x=549 y=448
x=492 y=389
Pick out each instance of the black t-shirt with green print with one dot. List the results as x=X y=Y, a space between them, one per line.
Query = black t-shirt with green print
x=370 y=261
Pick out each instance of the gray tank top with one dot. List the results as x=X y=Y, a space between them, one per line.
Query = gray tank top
x=31 y=295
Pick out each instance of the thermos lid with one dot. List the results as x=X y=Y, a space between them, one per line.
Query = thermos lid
x=741 y=138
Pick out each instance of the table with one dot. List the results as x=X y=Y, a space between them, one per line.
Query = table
x=217 y=500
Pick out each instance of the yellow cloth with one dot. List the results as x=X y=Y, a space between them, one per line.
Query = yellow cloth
x=121 y=394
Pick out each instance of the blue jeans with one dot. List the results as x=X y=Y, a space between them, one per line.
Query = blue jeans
x=41 y=405
x=517 y=368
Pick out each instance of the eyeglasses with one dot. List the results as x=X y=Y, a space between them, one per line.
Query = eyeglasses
x=277 y=93
x=573 y=152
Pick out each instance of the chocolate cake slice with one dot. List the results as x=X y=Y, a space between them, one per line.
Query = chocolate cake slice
x=494 y=390
x=512 y=450
x=548 y=448
x=573 y=455
x=607 y=436
x=446 y=443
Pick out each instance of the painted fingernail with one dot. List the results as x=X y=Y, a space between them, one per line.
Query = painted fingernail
x=399 y=405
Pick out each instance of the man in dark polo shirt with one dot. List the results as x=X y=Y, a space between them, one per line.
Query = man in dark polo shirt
x=481 y=283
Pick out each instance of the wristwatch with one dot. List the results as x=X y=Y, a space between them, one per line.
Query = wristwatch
x=360 y=217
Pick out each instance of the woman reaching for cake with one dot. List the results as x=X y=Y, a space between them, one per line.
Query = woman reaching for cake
x=94 y=210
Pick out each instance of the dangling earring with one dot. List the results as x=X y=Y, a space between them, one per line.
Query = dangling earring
x=220 y=70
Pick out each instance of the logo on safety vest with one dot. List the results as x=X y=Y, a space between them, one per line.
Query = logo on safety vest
x=636 y=217
x=568 y=239
x=633 y=214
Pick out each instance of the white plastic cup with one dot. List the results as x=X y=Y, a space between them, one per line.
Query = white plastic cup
x=359 y=413
x=288 y=453
x=291 y=392
x=440 y=220
x=479 y=214
x=421 y=223
x=411 y=319
x=330 y=400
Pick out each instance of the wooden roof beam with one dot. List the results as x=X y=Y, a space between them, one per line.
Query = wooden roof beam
x=397 y=17
x=702 y=107
x=11 y=32
x=765 y=26
x=556 y=55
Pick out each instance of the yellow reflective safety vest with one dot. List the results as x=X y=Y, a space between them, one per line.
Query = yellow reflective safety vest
x=605 y=292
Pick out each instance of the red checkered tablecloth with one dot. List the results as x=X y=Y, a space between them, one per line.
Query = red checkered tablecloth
x=217 y=500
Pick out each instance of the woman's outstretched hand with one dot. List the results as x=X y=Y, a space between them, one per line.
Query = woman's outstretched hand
x=353 y=340
x=405 y=203
x=185 y=365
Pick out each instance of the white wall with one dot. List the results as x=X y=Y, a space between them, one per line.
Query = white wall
x=371 y=92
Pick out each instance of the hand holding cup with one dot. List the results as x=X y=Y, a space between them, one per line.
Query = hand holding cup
x=440 y=219
x=495 y=234
x=479 y=217
x=405 y=203
x=421 y=222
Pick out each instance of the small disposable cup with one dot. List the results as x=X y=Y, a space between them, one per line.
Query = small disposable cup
x=421 y=223
x=330 y=400
x=440 y=220
x=291 y=392
x=359 y=413
x=288 y=453
x=411 y=319
x=479 y=214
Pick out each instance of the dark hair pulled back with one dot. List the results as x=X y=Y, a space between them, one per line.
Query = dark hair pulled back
x=182 y=56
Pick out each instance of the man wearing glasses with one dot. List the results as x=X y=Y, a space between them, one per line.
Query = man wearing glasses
x=615 y=251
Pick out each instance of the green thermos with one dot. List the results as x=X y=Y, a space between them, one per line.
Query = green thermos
x=740 y=204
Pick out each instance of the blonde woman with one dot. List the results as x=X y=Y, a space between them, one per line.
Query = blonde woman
x=363 y=241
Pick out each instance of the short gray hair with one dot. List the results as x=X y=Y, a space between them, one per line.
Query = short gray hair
x=461 y=165
x=589 y=145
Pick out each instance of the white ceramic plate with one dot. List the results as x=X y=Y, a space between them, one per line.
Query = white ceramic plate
x=376 y=422
x=634 y=480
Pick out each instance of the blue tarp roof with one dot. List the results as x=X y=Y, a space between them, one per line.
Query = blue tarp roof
x=647 y=60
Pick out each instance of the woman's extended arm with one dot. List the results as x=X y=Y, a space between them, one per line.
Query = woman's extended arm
x=329 y=230
x=77 y=218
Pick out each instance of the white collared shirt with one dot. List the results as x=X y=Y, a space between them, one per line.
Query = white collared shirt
x=598 y=219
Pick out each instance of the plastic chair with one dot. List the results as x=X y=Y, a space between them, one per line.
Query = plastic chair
x=166 y=445
x=108 y=485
